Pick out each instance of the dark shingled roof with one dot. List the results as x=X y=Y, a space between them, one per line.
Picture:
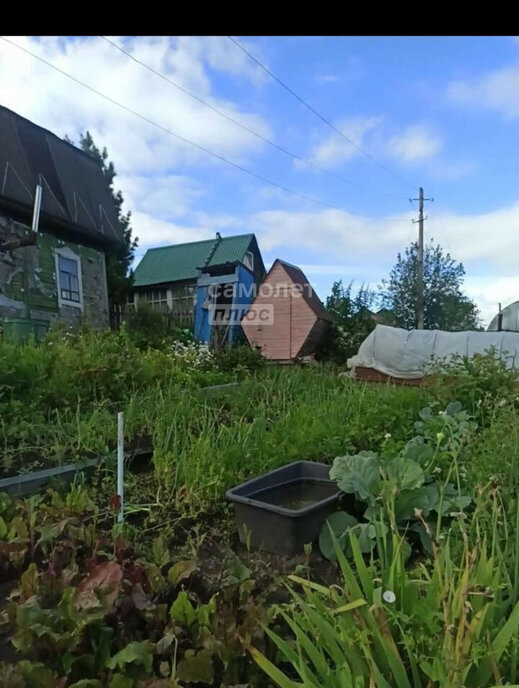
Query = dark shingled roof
x=75 y=193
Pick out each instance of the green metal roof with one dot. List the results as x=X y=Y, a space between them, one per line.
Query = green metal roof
x=181 y=261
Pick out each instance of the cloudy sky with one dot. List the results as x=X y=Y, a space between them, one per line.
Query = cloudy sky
x=440 y=112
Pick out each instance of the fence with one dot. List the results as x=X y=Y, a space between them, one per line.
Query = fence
x=176 y=317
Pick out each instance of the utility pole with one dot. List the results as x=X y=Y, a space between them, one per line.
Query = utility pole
x=420 y=286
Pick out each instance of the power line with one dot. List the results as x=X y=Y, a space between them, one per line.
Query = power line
x=315 y=112
x=279 y=147
x=172 y=133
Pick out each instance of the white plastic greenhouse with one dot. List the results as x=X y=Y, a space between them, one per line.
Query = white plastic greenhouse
x=408 y=354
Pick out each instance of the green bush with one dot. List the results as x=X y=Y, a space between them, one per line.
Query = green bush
x=477 y=382
x=149 y=328
x=240 y=359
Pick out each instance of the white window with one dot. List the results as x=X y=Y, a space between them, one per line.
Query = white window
x=68 y=278
x=248 y=260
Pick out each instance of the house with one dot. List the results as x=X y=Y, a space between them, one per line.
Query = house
x=58 y=271
x=286 y=320
x=207 y=284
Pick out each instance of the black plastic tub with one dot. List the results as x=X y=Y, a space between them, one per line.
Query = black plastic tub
x=283 y=510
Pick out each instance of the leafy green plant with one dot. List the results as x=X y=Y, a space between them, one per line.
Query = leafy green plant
x=401 y=489
x=453 y=623
x=478 y=382
x=240 y=359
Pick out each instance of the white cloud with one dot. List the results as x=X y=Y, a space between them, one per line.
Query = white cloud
x=489 y=292
x=153 y=232
x=414 y=144
x=163 y=196
x=497 y=90
x=334 y=233
x=333 y=150
x=26 y=86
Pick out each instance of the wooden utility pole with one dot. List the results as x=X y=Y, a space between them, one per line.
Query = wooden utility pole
x=420 y=285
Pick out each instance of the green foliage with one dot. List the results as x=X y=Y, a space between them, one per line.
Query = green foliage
x=478 y=382
x=403 y=490
x=120 y=257
x=239 y=358
x=58 y=399
x=149 y=328
x=452 y=621
x=352 y=321
x=445 y=305
x=97 y=614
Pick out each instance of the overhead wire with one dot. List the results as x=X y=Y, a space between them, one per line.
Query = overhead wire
x=316 y=112
x=144 y=118
x=234 y=121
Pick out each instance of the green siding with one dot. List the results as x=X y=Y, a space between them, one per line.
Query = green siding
x=37 y=271
x=181 y=262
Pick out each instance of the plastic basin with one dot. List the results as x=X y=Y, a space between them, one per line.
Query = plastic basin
x=284 y=509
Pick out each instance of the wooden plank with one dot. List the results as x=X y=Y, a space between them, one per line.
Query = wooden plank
x=372 y=375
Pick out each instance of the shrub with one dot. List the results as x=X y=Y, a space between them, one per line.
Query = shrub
x=240 y=358
x=477 y=382
x=149 y=328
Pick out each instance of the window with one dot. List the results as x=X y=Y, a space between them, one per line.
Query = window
x=68 y=278
x=248 y=261
x=158 y=298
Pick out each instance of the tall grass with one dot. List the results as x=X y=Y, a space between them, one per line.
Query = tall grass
x=450 y=622
x=206 y=444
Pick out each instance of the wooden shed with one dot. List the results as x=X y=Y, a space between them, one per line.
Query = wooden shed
x=286 y=320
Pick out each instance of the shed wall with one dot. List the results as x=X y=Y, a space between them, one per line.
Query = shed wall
x=292 y=317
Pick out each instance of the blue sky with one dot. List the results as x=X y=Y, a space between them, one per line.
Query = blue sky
x=441 y=112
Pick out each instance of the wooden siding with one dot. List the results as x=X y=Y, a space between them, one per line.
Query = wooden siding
x=293 y=319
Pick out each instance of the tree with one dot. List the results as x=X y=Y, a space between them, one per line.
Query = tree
x=446 y=307
x=352 y=321
x=119 y=258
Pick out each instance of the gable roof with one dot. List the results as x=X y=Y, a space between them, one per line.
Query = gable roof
x=298 y=277
x=75 y=193
x=183 y=261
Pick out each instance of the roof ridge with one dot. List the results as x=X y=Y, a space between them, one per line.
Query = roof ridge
x=290 y=265
x=183 y=243
x=200 y=241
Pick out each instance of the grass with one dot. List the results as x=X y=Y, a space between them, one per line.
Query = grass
x=455 y=617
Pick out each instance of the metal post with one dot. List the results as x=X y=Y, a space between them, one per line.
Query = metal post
x=37 y=207
x=499 y=319
x=420 y=296
x=120 y=463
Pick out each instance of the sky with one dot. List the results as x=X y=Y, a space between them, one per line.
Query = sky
x=436 y=112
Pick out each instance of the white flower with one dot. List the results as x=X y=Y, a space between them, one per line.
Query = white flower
x=387 y=436
x=388 y=596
